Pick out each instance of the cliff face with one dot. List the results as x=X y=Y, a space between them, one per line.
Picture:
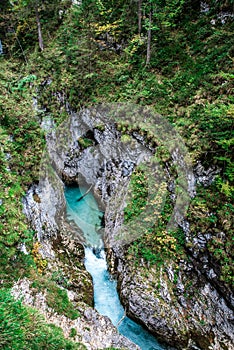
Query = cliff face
x=183 y=302
x=177 y=303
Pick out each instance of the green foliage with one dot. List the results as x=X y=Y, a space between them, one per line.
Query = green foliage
x=21 y=142
x=157 y=245
x=73 y=333
x=22 y=327
x=22 y=83
x=56 y=297
x=139 y=192
x=210 y=213
x=189 y=80
x=14 y=265
x=21 y=27
x=84 y=142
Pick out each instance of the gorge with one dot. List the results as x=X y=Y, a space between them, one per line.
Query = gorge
x=161 y=299
x=131 y=103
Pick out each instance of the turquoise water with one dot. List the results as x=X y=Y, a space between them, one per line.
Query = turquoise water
x=86 y=214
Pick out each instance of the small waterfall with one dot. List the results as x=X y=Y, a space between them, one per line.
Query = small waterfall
x=86 y=214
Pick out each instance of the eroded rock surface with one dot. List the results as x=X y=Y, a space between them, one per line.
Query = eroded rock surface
x=176 y=303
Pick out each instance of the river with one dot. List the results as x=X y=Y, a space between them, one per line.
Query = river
x=87 y=215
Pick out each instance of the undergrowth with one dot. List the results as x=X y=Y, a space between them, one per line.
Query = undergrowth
x=22 y=327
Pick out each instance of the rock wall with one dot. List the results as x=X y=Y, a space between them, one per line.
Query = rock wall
x=176 y=303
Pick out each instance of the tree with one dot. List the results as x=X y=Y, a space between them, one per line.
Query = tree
x=37 y=19
x=40 y=39
x=139 y=16
x=149 y=35
x=23 y=10
x=5 y=17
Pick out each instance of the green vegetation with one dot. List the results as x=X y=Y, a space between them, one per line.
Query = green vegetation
x=101 y=51
x=56 y=297
x=211 y=215
x=22 y=327
x=73 y=333
x=85 y=142
x=157 y=245
x=21 y=142
x=139 y=191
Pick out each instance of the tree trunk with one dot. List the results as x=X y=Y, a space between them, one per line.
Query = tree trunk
x=40 y=39
x=25 y=58
x=139 y=16
x=148 y=54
